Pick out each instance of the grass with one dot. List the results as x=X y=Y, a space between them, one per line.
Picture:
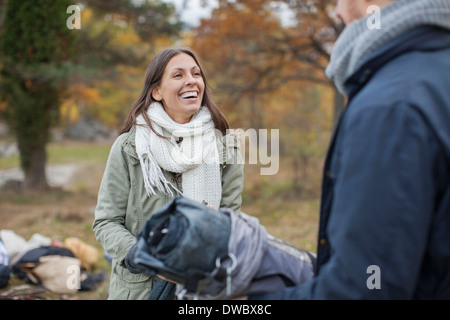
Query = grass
x=285 y=211
x=60 y=153
x=9 y=162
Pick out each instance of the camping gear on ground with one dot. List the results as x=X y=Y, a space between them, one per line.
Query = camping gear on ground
x=5 y=275
x=47 y=265
x=17 y=246
x=217 y=254
x=5 y=270
x=87 y=254
x=31 y=258
x=60 y=274
x=58 y=270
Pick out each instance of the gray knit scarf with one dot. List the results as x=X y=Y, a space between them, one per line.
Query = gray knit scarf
x=357 y=41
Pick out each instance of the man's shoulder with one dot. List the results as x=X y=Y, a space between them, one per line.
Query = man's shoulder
x=416 y=78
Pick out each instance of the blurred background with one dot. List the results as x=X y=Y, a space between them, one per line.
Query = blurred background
x=69 y=76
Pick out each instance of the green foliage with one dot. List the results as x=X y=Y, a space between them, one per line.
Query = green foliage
x=35 y=44
x=36 y=32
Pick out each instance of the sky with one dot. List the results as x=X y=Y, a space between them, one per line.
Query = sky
x=192 y=11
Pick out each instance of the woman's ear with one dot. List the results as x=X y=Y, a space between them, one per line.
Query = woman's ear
x=156 y=95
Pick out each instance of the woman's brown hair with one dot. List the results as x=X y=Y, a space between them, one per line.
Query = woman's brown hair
x=153 y=76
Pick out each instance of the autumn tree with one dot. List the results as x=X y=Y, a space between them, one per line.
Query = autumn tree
x=252 y=53
x=270 y=74
x=311 y=38
x=230 y=44
x=35 y=45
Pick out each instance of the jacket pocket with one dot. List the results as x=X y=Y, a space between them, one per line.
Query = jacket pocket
x=128 y=279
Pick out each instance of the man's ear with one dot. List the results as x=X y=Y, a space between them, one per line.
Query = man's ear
x=156 y=95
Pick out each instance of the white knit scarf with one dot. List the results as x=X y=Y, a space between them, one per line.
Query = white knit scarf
x=196 y=157
x=357 y=41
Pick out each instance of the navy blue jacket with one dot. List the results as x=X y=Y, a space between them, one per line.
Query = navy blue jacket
x=385 y=210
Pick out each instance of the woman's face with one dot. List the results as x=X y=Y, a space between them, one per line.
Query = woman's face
x=181 y=89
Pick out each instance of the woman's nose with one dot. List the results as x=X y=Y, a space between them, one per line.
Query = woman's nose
x=190 y=79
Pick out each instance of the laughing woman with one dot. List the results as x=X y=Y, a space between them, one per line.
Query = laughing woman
x=173 y=142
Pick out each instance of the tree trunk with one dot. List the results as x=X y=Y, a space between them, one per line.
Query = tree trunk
x=34 y=170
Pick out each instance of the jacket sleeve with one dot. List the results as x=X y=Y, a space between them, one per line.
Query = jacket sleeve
x=382 y=209
x=232 y=174
x=111 y=209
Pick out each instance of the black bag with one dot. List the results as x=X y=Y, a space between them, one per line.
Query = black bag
x=5 y=275
x=218 y=254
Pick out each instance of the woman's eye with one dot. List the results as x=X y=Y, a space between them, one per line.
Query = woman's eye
x=177 y=75
x=196 y=74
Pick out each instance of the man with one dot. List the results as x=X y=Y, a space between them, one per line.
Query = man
x=385 y=210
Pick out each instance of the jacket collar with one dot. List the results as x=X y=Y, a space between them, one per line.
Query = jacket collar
x=420 y=39
x=129 y=144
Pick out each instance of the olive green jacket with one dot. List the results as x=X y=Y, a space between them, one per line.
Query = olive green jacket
x=123 y=207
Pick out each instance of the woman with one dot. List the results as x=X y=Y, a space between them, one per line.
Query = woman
x=173 y=142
